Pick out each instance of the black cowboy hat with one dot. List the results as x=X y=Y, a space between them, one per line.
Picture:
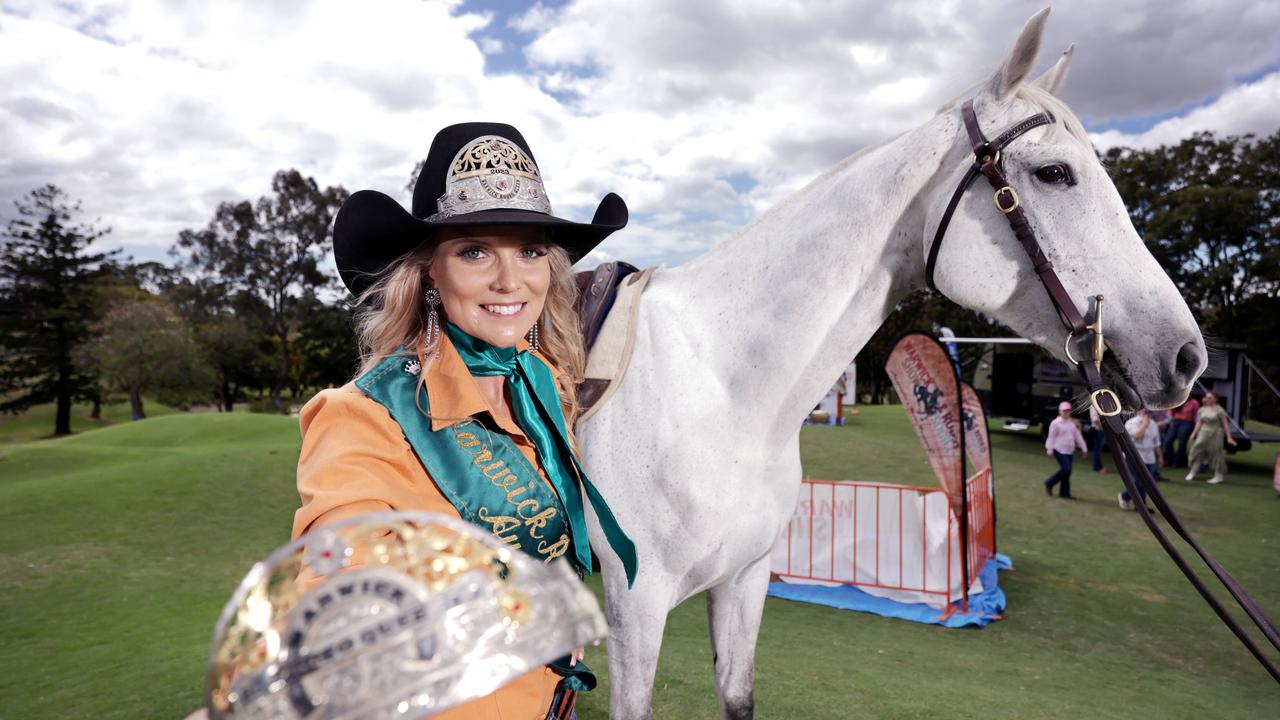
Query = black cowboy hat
x=475 y=174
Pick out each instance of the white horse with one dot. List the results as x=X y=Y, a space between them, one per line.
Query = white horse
x=698 y=450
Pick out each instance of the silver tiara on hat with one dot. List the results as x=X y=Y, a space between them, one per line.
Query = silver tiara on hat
x=492 y=173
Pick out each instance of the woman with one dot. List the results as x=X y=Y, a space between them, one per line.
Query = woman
x=1206 y=440
x=1061 y=443
x=470 y=350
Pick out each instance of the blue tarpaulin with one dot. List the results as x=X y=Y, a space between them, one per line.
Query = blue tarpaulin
x=983 y=607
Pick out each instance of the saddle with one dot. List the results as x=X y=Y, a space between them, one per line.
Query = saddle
x=608 y=305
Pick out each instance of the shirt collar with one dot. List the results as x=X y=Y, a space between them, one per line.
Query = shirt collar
x=453 y=392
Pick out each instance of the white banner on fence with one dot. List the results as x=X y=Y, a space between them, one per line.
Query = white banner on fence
x=889 y=541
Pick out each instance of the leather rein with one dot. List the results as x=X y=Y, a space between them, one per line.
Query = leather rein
x=987 y=162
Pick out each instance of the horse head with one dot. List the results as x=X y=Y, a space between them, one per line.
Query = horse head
x=1156 y=350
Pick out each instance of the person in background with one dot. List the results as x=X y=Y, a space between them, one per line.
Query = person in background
x=1164 y=423
x=1206 y=440
x=1146 y=438
x=1175 y=441
x=1063 y=440
x=1096 y=439
x=841 y=387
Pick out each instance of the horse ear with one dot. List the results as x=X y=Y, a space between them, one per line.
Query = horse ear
x=1052 y=79
x=1021 y=59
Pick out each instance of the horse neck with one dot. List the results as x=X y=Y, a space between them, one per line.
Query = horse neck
x=783 y=306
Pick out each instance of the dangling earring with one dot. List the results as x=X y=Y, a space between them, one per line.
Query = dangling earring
x=532 y=337
x=432 y=296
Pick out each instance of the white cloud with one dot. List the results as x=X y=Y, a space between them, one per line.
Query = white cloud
x=683 y=95
x=152 y=116
x=699 y=114
x=1251 y=108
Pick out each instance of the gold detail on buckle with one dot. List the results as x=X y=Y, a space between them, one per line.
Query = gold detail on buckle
x=1011 y=192
x=1099 y=344
x=1067 y=346
x=986 y=158
x=515 y=608
x=1115 y=401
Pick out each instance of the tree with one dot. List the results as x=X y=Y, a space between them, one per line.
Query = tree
x=326 y=345
x=270 y=249
x=46 y=280
x=229 y=349
x=1209 y=210
x=143 y=346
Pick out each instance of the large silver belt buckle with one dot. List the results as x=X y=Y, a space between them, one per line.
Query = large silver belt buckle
x=391 y=615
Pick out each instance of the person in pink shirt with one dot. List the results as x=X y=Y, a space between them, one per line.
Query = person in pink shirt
x=1175 y=441
x=1063 y=440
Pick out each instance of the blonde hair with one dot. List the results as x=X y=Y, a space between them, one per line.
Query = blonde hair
x=391 y=320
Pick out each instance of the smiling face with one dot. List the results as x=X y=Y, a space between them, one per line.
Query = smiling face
x=493 y=280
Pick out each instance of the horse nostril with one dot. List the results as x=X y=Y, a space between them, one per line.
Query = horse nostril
x=1188 y=363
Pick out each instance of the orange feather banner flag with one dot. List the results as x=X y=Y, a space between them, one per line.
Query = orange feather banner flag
x=926 y=383
x=977 y=447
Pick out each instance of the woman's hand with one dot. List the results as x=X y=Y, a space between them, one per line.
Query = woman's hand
x=1231 y=441
x=576 y=655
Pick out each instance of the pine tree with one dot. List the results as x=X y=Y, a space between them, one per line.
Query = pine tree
x=46 y=304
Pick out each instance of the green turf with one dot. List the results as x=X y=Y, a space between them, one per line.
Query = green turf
x=119 y=546
x=39 y=422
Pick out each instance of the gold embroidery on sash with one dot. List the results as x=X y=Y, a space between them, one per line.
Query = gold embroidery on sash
x=539 y=521
x=555 y=549
x=499 y=524
x=529 y=501
x=517 y=492
x=528 y=512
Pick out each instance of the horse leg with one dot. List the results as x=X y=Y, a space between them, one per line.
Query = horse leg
x=636 y=621
x=734 y=609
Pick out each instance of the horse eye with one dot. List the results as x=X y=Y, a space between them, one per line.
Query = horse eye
x=1055 y=173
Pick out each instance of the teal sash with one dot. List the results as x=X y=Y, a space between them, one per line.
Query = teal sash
x=535 y=405
x=483 y=474
x=491 y=483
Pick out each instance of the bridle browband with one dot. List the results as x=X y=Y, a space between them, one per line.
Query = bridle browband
x=987 y=162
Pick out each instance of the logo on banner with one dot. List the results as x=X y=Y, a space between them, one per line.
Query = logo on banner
x=920 y=369
x=928 y=399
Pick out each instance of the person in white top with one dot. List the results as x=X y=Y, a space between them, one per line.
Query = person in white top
x=1146 y=438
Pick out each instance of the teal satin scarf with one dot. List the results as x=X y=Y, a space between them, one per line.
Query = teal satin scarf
x=535 y=404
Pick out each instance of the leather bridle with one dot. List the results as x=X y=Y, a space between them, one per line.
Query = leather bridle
x=987 y=162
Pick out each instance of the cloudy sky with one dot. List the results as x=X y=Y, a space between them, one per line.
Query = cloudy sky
x=700 y=114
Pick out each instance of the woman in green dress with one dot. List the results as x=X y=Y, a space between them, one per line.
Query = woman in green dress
x=1206 y=440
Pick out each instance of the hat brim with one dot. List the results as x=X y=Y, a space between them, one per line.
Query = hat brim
x=371 y=230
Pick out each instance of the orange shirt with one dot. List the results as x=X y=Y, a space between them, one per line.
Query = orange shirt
x=355 y=459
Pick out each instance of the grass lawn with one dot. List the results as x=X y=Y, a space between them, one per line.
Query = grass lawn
x=119 y=546
x=38 y=422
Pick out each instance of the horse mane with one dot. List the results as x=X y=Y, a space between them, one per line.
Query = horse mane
x=1064 y=120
